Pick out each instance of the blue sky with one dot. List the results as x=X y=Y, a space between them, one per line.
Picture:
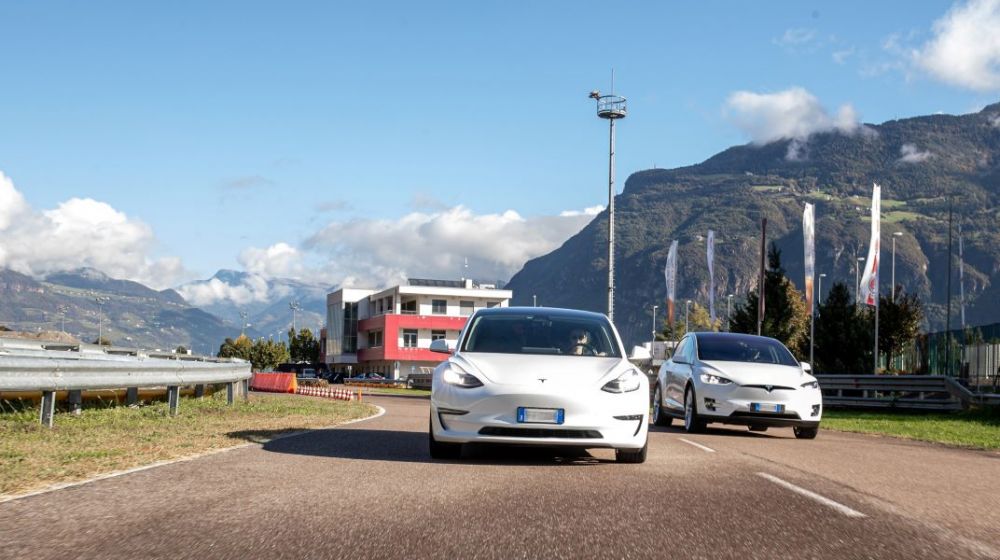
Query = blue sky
x=226 y=128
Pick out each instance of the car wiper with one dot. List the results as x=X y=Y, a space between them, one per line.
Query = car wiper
x=539 y=350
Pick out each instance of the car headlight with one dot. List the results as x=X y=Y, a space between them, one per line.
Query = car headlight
x=811 y=385
x=454 y=376
x=627 y=382
x=714 y=379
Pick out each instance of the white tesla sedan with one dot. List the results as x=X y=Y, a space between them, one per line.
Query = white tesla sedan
x=737 y=379
x=538 y=376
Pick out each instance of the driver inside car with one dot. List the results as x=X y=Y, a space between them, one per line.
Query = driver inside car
x=579 y=343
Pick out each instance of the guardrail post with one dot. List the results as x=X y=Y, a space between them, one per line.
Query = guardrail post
x=199 y=391
x=131 y=396
x=245 y=385
x=48 y=408
x=173 y=396
x=231 y=392
x=75 y=400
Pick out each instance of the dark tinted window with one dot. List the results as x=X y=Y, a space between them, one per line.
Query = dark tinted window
x=750 y=349
x=555 y=334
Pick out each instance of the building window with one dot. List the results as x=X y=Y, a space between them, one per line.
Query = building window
x=492 y=304
x=439 y=307
x=409 y=338
x=408 y=307
x=466 y=308
x=350 y=338
x=375 y=339
x=437 y=335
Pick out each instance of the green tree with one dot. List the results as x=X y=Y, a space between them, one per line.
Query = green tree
x=103 y=341
x=181 y=350
x=303 y=346
x=698 y=321
x=785 y=315
x=266 y=354
x=239 y=348
x=899 y=323
x=843 y=334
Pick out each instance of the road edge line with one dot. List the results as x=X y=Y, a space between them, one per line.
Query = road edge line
x=698 y=445
x=839 y=507
x=114 y=474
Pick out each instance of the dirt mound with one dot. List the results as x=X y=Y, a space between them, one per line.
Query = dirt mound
x=50 y=336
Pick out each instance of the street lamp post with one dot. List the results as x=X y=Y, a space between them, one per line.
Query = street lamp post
x=819 y=293
x=243 y=322
x=729 y=312
x=655 y=307
x=534 y=300
x=687 y=312
x=294 y=306
x=894 y=236
x=100 y=318
x=611 y=107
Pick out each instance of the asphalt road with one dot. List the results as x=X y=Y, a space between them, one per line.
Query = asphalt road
x=370 y=490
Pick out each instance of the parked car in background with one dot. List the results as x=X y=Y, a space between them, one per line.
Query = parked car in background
x=737 y=379
x=538 y=376
x=308 y=373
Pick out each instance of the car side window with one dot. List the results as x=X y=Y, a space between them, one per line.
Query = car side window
x=681 y=353
x=690 y=351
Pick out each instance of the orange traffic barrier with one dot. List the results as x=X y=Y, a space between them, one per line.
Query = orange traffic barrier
x=328 y=393
x=274 y=382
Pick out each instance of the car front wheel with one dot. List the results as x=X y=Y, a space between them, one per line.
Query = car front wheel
x=692 y=424
x=806 y=433
x=660 y=418
x=441 y=449
x=632 y=455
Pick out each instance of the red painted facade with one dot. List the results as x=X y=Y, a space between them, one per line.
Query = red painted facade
x=392 y=324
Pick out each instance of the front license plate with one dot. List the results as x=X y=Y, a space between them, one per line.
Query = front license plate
x=767 y=407
x=540 y=415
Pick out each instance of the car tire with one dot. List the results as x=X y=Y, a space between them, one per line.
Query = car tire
x=692 y=423
x=632 y=455
x=442 y=449
x=660 y=418
x=805 y=433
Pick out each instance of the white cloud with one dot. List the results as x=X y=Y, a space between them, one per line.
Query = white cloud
x=793 y=114
x=796 y=36
x=589 y=211
x=253 y=289
x=908 y=153
x=995 y=120
x=841 y=56
x=278 y=260
x=80 y=232
x=374 y=252
x=965 y=47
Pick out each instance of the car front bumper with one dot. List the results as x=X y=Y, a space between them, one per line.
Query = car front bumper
x=734 y=404
x=489 y=415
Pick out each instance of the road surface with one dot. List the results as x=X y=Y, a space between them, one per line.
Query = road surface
x=370 y=490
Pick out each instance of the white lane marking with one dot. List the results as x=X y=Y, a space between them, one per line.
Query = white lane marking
x=813 y=496
x=698 y=445
x=4 y=498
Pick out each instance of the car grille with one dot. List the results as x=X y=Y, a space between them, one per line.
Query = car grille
x=773 y=387
x=540 y=433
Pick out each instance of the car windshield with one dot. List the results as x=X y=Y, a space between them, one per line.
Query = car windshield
x=554 y=334
x=744 y=349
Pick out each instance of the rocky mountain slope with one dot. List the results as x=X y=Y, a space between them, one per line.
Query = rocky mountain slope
x=924 y=164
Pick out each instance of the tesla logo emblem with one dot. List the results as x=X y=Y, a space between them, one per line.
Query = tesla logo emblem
x=542 y=379
x=769 y=388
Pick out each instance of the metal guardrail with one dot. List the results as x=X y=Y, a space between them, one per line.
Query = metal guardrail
x=31 y=365
x=917 y=392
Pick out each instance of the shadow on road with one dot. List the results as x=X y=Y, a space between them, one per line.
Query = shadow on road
x=722 y=431
x=410 y=447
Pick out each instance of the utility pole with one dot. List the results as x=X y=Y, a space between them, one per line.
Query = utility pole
x=687 y=312
x=655 y=307
x=947 y=352
x=894 y=236
x=611 y=107
x=729 y=313
x=760 y=283
x=243 y=323
x=294 y=306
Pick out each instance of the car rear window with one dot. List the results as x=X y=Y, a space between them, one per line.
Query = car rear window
x=750 y=349
x=550 y=334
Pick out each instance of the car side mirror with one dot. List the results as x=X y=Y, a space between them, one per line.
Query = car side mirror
x=806 y=367
x=440 y=346
x=678 y=359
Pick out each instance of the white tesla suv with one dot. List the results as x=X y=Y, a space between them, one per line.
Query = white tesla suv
x=538 y=376
x=737 y=379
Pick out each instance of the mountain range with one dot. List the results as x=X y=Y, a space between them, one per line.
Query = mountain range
x=928 y=167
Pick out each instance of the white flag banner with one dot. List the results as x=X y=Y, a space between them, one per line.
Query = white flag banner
x=711 y=276
x=869 y=282
x=670 y=273
x=809 y=238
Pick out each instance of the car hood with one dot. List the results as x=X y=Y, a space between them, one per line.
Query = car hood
x=746 y=373
x=519 y=369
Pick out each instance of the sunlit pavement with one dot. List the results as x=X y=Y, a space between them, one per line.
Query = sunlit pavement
x=370 y=490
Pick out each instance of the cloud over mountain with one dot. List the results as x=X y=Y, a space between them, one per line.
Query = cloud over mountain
x=78 y=233
x=792 y=114
x=965 y=47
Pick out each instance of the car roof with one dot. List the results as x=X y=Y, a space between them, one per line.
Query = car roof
x=527 y=310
